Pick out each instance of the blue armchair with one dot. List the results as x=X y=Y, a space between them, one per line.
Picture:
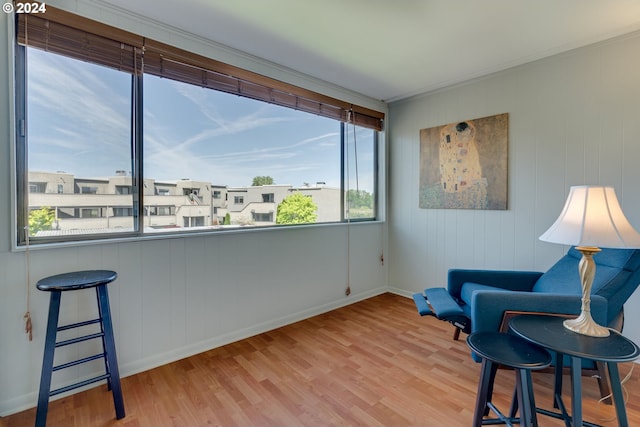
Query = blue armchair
x=477 y=300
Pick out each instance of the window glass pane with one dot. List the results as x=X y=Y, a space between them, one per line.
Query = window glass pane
x=79 y=149
x=360 y=168
x=226 y=161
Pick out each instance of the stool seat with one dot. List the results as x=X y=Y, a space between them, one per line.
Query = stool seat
x=511 y=351
x=76 y=280
x=56 y=285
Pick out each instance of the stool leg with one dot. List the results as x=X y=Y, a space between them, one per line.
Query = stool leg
x=532 y=400
x=110 y=350
x=47 y=360
x=513 y=410
x=492 y=376
x=526 y=400
x=484 y=386
x=104 y=344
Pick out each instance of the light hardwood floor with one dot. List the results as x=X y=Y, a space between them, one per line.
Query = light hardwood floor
x=373 y=363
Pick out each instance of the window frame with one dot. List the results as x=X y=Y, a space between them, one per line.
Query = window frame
x=280 y=93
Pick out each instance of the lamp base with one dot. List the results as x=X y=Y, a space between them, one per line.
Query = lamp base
x=585 y=325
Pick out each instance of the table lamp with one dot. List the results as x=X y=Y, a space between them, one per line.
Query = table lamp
x=591 y=219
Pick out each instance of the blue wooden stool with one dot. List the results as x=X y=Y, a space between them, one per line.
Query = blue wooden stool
x=97 y=279
x=514 y=352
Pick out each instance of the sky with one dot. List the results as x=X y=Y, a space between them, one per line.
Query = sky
x=79 y=123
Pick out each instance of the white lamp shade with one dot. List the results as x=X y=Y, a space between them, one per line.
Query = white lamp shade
x=592 y=216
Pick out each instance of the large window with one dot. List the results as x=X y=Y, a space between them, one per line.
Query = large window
x=164 y=141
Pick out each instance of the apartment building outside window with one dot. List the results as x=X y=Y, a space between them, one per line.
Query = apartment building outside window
x=268 y=198
x=123 y=189
x=119 y=211
x=262 y=217
x=37 y=187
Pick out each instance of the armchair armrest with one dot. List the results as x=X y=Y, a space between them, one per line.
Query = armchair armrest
x=488 y=307
x=509 y=280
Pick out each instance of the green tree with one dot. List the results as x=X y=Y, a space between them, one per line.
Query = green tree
x=40 y=219
x=227 y=219
x=262 y=180
x=296 y=209
x=360 y=204
x=359 y=199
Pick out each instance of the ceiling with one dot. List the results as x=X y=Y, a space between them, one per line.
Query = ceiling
x=393 y=49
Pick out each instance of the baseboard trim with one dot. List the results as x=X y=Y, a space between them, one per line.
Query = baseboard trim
x=400 y=292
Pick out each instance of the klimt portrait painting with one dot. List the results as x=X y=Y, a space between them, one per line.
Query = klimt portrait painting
x=463 y=165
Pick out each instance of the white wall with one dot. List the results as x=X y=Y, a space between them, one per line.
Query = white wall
x=574 y=119
x=177 y=296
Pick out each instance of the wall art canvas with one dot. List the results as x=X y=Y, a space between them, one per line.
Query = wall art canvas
x=463 y=165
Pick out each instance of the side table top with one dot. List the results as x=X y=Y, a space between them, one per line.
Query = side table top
x=549 y=332
x=76 y=280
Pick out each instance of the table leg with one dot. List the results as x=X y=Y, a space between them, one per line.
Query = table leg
x=557 y=385
x=576 y=391
x=616 y=389
x=483 y=391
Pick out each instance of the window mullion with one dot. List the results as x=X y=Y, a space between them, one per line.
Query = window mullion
x=137 y=151
x=343 y=180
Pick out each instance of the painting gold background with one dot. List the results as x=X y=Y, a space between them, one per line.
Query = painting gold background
x=492 y=135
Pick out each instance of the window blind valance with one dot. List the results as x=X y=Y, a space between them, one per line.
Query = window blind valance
x=81 y=38
x=67 y=34
x=199 y=71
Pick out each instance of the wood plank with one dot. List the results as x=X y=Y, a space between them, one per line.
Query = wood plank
x=373 y=363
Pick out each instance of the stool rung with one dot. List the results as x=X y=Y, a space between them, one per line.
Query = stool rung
x=79 y=361
x=80 y=384
x=502 y=419
x=79 y=339
x=79 y=324
x=498 y=421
